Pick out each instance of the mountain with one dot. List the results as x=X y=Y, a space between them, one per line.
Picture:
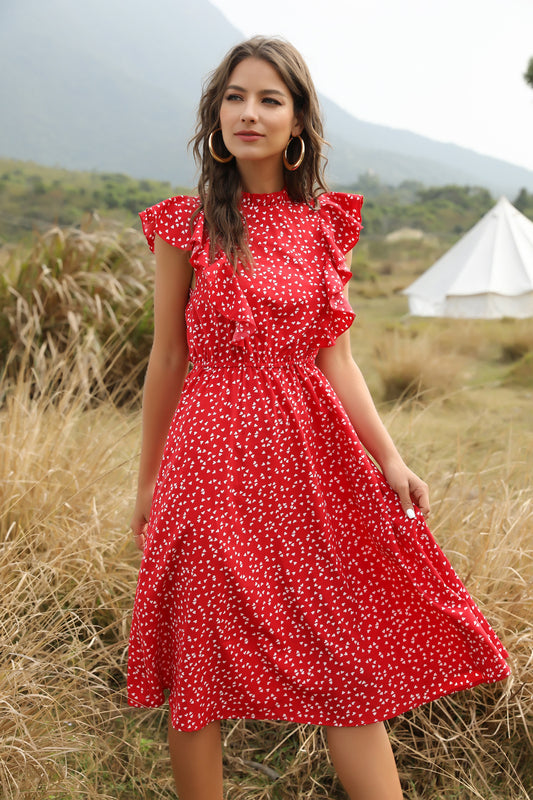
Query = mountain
x=108 y=85
x=112 y=85
x=397 y=155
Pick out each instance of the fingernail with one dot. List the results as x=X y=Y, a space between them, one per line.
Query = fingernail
x=410 y=513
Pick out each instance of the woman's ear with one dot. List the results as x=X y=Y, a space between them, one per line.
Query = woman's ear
x=298 y=126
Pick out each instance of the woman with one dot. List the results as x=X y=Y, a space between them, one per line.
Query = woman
x=284 y=575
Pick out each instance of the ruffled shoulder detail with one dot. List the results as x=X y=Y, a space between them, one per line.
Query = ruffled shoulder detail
x=222 y=287
x=341 y=213
x=171 y=220
x=340 y=217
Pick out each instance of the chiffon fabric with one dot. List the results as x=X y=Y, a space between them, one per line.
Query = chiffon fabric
x=281 y=578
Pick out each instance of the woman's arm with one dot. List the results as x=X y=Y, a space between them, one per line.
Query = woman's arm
x=167 y=369
x=339 y=367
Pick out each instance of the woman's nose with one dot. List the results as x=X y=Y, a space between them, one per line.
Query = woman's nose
x=249 y=113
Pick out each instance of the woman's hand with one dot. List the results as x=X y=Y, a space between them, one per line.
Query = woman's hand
x=141 y=515
x=408 y=486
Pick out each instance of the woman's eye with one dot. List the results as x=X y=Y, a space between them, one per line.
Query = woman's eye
x=236 y=97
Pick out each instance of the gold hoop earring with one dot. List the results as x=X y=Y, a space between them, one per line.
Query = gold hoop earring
x=287 y=164
x=212 y=150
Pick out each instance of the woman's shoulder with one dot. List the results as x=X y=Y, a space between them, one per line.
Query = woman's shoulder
x=171 y=220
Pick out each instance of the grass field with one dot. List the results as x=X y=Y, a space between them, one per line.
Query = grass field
x=457 y=397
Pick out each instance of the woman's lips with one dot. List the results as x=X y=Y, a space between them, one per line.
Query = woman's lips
x=249 y=136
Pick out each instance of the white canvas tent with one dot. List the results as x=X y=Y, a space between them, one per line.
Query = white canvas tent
x=487 y=274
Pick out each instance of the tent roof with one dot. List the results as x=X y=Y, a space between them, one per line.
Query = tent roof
x=495 y=256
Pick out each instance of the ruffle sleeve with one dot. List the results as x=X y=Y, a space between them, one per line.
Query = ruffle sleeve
x=340 y=216
x=171 y=220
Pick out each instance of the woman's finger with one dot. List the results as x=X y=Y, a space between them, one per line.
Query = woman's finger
x=140 y=540
x=138 y=529
x=402 y=490
x=420 y=494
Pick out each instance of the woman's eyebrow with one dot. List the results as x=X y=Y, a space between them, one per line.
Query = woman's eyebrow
x=263 y=91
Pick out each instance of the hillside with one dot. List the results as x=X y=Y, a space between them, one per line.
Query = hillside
x=113 y=86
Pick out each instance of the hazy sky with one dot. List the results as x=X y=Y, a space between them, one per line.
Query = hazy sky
x=449 y=69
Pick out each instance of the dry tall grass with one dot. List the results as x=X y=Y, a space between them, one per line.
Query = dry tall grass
x=412 y=367
x=79 y=300
x=68 y=570
x=66 y=582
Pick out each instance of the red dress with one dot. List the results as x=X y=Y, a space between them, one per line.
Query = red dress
x=281 y=578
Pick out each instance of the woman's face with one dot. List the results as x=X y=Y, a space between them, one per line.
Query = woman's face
x=257 y=114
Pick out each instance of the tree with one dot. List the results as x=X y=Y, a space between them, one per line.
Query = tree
x=528 y=74
x=523 y=201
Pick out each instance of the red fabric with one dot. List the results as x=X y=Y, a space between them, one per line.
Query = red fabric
x=281 y=578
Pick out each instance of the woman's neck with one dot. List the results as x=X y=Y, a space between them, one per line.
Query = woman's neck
x=261 y=178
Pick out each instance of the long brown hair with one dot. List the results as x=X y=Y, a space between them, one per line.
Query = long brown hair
x=219 y=185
